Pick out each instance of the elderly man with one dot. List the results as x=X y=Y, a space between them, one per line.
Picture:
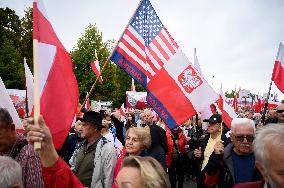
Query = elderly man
x=269 y=155
x=94 y=161
x=280 y=114
x=10 y=173
x=236 y=163
x=206 y=145
x=17 y=147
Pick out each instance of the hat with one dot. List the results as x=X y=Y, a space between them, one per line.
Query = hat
x=215 y=118
x=92 y=117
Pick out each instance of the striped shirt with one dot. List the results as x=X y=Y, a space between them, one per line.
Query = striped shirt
x=31 y=165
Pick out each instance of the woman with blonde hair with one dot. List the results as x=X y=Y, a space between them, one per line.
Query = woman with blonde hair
x=137 y=140
x=140 y=172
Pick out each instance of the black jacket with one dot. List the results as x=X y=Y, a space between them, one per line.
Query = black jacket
x=220 y=170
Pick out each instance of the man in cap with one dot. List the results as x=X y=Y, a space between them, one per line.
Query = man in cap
x=94 y=161
x=206 y=147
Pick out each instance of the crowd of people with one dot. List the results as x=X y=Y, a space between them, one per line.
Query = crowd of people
x=104 y=151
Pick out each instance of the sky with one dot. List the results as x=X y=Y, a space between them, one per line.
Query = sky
x=236 y=41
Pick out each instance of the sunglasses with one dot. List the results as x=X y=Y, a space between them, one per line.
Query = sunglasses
x=241 y=138
x=280 y=111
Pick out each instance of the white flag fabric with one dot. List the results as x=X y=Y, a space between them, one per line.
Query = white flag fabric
x=196 y=63
x=7 y=103
x=29 y=87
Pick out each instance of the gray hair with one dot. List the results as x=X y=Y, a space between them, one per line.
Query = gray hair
x=10 y=172
x=272 y=134
x=240 y=122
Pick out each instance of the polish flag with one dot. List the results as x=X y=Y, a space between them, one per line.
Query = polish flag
x=6 y=102
x=122 y=110
x=278 y=70
x=58 y=89
x=29 y=87
x=228 y=113
x=96 y=69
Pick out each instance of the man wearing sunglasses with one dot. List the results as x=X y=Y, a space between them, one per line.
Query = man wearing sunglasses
x=234 y=163
x=280 y=113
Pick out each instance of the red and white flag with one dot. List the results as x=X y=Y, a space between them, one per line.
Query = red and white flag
x=228 y=113
x=29 y=87
x=88 y=103
x=175 y=89
x=96 y=69
x=58 y=88
x=6 y=102
x=122 y=110
x=278 y=70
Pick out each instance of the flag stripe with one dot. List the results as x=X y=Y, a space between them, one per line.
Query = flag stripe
x=172 y=40
x=161 y=49
x=131 y=57
x=159 y=55
x=156 y=60
x=136 y=38
x=165 y=47
x=162 y=36
x=133 y=50
x=135 y=46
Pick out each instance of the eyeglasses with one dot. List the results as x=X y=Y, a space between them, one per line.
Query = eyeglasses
x=241 y=138
x=280 y=111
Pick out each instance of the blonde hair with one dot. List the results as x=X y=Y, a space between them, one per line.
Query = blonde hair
x=152 y=173
x=143 y=135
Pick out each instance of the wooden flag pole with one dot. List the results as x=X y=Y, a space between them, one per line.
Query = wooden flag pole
x=93 y=86
x=37 y=145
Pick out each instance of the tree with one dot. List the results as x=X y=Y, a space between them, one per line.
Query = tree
x=116 y=81
x=230 y=95
x=11 y=67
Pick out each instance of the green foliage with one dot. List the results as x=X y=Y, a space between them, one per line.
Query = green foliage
x=15 y=44
x=115 y=81
x=230 y=95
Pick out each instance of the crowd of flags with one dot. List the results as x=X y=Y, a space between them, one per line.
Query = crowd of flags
x=176 y=88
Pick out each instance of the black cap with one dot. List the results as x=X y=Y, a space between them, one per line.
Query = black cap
x=215 y=118
x=92 y=117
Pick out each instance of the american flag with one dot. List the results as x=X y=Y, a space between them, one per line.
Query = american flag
x=146 y=43
x=148 y=53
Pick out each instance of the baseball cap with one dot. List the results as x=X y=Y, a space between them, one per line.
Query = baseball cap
x=215 y=118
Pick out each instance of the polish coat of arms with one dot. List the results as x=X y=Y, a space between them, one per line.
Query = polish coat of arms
x=189 y=79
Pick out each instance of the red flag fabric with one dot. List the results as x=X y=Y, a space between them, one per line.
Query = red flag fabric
x=96 y=69
x=235 y=103
x=58 y=87
x=122 y=110
x=278 y=70
x=147 y=52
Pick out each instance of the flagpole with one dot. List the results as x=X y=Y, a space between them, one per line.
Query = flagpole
x=266 y=104
x=37 y=145
x=93 y=86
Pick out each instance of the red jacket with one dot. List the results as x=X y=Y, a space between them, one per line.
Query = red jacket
x=181 y=145
x=118 y=164
x=60 y=175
